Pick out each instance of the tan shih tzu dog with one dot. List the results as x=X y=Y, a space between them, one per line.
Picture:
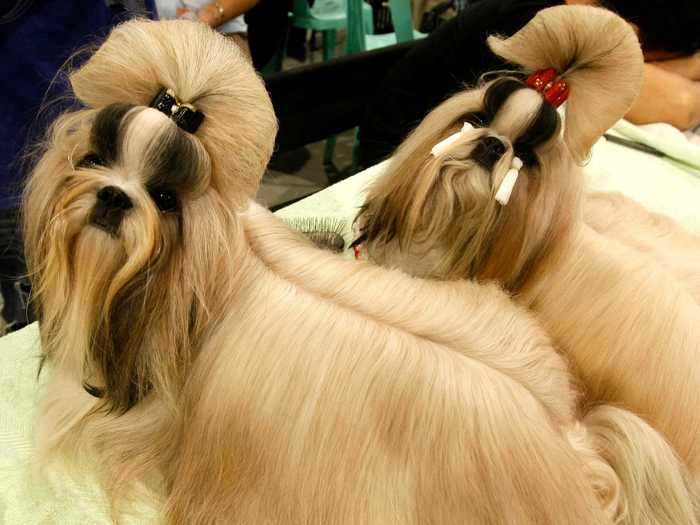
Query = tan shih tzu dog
x=650 y=234
x=201 y=349
x=489 y=187
x=198 y=347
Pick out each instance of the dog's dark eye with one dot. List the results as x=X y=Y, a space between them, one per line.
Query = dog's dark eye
x=91 y=160
x=165 y=199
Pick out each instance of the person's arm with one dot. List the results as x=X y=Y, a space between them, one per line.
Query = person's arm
x=688 y=67
x=222 y=11
x=666 y=97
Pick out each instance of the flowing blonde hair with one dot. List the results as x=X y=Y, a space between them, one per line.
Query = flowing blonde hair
x=420 y=195
x=247 y=377
x=435 y=215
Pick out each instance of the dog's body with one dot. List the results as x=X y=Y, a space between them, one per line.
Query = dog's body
x=630 y=327
x=313 y=403
x=650 y=234
x=200 y=348
x=620 y=302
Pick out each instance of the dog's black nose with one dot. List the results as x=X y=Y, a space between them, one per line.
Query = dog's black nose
x=488 y=152
x=109 y=210
x=113 y=197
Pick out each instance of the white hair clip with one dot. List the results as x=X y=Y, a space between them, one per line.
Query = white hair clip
x=441 y=146
x=508 y=182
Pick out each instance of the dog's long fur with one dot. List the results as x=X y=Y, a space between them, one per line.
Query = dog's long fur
x=629 y=324
x=656 y=236
x=247 y=377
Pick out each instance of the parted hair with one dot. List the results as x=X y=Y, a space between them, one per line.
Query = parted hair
x=420 y=194
x=168 y=176
x=435 y=215
x=201 y=350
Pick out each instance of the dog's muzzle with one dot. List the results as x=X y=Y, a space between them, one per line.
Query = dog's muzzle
x=112 y=203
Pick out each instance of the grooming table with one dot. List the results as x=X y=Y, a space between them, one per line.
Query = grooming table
x=669 y=185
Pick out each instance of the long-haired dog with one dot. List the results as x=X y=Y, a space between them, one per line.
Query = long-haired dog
x=198 y=347
x=650 y=234
x=629 y=325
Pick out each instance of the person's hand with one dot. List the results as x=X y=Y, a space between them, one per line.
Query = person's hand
x=210 y=15
x=668 y=97
x=185 y=13
x=687 y=66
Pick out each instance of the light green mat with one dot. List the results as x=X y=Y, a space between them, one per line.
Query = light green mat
x=657 y=183
x=28 y=498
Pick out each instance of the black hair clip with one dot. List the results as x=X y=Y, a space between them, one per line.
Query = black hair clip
x=184 y=115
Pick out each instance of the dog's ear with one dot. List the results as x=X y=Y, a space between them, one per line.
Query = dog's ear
x=598 y=55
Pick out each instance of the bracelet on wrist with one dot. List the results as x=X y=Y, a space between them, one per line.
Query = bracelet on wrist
x=220 y=13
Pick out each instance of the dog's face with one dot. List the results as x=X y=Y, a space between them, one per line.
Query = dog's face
x=438 y=216
x=455 y=226
x=130 y=221
x=113 y=213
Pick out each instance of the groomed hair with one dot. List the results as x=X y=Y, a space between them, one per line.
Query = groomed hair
x=284 y=385
x=420 y=195
x=195 y=66
x=436 y=216
x=116 y=138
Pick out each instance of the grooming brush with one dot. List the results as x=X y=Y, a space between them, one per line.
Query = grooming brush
x=324 y=232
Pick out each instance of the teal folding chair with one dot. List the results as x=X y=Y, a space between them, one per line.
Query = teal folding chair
x=327 y=16
x=359 y=39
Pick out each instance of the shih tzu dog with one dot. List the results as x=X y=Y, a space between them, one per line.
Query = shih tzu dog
x=489 y=187
x=649 y=234
x=201 y=349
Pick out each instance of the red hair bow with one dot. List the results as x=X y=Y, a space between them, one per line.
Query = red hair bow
x=545 y=81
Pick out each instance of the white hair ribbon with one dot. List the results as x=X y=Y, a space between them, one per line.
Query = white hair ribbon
x=508 y=182
x=441 y=146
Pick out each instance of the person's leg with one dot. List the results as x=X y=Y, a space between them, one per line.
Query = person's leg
x=268 y=23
